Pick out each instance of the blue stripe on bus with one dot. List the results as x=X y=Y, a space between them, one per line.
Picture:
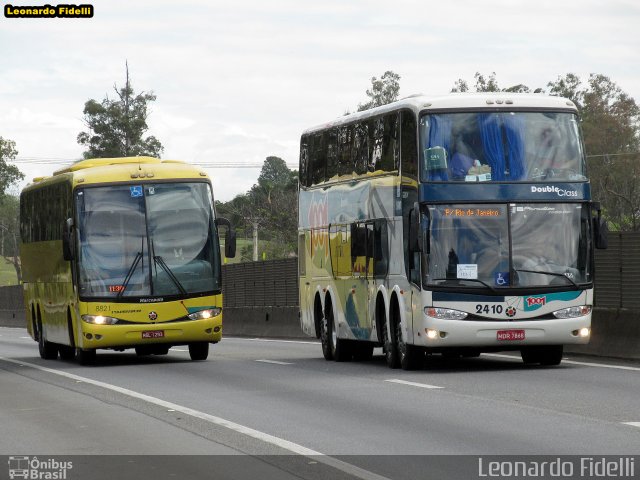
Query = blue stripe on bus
x=510 y=192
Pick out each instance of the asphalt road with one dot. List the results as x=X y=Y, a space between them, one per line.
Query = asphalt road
x=276 y=409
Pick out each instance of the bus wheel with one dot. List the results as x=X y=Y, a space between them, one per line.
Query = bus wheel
x=390 y=346
x=327 y=352
x=48 y=350
x=340 y=349
x=199 y=350
x=86 y=357
x=409 y=355
x=547 y=355
x=67 y=352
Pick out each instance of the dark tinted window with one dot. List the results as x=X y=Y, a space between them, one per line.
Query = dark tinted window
x=409 y=145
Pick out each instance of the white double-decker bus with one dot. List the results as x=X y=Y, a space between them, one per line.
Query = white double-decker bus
x=456 y=224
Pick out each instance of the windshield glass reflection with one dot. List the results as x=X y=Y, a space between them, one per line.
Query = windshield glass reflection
x=147 y=240
x=471 y=246
x=501 y=146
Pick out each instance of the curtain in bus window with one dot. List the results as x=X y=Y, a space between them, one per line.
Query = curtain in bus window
x=515 y=136
x=440 y=136
x=492 y=143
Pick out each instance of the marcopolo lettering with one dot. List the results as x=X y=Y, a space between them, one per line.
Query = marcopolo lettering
x=551 y=189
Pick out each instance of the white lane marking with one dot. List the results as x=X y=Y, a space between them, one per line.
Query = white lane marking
x=28 y=338
x=413 y=384
x=572 y=362
x=275 y=362
x=174 y=349
x=633 y=424
x=236 y=427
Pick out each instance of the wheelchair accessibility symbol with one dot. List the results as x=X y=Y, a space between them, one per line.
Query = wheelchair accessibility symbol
x=502 y=279
x=136 y=191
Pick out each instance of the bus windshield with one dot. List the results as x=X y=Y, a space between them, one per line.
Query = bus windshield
x=501 y=246
x=147 y=240
x=501 y=146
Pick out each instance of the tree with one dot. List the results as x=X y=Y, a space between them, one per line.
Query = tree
x=9 y=174
x=267 y=213
x=10 y=232
x=116 y=127
x=490 y=84
x=384 y=90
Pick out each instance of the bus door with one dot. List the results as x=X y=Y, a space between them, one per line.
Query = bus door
x=378 y=263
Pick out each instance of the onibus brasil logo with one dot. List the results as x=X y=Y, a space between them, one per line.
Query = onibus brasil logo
x=37 y=469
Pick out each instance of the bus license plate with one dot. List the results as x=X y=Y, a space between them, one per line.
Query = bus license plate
x=153 y=334
x=510 y=335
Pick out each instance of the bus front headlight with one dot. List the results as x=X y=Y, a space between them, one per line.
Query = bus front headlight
x=573 y=312
x=99 y=319
x=204 y=314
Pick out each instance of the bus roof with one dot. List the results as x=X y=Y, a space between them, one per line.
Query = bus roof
x=459 y=101
x=124 y=169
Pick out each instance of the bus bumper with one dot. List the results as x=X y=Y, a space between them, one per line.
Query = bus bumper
x=439 y=333
x=132 y=335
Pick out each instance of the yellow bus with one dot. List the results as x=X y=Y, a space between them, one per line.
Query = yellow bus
x=122 y=253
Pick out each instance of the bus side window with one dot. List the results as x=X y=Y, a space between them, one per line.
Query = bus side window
x=380 y=249
x=331 y=144
x=304 y=161
x=318 y=159
x=345 y=163
x=409 y=147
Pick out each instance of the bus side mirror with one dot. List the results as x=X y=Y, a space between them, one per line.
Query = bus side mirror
x=600 y=229
x=415 y=236
x=230 y=239
x=67 y=240
x=230 y=244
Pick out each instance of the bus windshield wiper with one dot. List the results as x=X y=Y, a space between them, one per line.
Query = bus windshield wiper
x=158 y=259
x=458 y=280
x=132 y=269
x=554 y=274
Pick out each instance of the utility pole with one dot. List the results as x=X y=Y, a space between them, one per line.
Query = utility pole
x=255 y=241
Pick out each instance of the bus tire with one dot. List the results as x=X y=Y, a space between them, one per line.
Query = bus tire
x=199 y=351
x=47 y=350
x=409 y=354
x=390 y=343
x=86 y=357
x=327 y=352
x=340 y=348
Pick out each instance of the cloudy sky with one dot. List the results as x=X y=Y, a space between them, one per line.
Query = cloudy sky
x=239 y=81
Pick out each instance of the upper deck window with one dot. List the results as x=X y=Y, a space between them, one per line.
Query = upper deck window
x=501 y=146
